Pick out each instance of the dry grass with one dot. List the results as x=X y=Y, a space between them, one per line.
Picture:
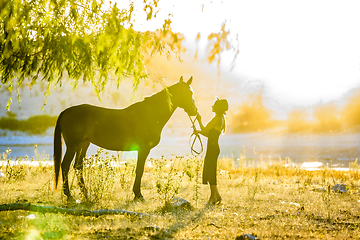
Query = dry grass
x=270 y=202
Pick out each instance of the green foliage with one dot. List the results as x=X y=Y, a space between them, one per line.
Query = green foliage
x=298 y=121
x=354 y=165
x=11 y=114
x=252 y=115
x=326 y=118
x=15 y=171
x=18 y=169
x=167 y=177
x=35 y=125
x=350 y=115
x=87 y=40
x=190 y=168
x=127 y=174
x=99 y=174
x=193 y=170
x=218 y=43
x=84 y=39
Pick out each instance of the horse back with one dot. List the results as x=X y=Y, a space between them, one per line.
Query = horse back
x=114 y=129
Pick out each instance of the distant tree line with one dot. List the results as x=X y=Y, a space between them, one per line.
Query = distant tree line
x=253 y=116
x=34 y=125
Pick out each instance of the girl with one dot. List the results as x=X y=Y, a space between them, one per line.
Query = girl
x=212 y=131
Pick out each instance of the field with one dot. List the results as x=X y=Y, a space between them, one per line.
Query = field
x=270 y=202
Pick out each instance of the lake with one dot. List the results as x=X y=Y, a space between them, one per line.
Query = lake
x=335 y=149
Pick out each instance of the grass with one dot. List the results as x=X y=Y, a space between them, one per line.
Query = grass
x=269 y=202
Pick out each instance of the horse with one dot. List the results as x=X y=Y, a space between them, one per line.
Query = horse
x=137 y=127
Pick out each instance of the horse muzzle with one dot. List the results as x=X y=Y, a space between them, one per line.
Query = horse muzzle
x=192 y=112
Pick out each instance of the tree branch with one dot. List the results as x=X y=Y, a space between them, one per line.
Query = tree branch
x=76 y=212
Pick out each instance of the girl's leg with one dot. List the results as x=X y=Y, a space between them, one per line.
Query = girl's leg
x=215 y=197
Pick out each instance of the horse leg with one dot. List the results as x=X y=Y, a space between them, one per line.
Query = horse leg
x=142 y=155
x=79 y=168
x=65 y=166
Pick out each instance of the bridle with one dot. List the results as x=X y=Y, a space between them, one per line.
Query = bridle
x=196 y=137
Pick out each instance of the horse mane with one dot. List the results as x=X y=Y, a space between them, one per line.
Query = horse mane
x=159 y=94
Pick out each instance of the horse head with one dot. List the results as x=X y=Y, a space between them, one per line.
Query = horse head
x=182 y=96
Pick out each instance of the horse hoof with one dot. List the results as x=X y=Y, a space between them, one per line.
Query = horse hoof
x=214 y=202
x=139 y=198
x=71 y=200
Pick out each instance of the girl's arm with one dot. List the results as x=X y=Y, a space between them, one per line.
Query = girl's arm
x=205 y=130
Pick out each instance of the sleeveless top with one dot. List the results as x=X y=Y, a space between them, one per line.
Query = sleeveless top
x=213 y=149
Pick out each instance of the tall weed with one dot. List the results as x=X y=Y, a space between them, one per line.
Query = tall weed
x=15 y=170
x=99 y=174
x=167 y=177
x=326 y=195
x=193 y=171
x=126 y=173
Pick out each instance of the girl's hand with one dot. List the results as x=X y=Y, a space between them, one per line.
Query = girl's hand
x=196 y=132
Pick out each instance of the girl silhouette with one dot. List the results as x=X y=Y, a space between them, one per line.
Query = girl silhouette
x=212 y=131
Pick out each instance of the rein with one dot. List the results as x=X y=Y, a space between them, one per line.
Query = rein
x=196 y=136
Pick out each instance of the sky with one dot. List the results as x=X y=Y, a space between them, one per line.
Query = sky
x=303 y=52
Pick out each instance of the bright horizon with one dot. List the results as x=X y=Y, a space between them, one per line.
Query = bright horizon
x=303 y=52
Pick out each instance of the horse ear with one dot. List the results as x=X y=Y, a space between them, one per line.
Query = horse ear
x=189 y=81
x=181 y=79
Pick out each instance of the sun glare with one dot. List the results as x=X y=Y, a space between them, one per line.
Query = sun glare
x=303 y=52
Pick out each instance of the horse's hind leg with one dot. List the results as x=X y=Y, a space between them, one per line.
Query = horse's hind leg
x=65 y=166
x=79 y=166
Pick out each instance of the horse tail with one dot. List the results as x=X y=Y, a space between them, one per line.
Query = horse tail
x=57 y=150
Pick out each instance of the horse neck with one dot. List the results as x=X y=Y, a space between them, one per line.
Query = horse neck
x=162 y=111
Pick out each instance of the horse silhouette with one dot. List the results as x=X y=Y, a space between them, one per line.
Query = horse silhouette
x=135 y=128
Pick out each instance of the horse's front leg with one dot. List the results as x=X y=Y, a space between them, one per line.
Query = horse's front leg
x=142 y=155
x=79 y=166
